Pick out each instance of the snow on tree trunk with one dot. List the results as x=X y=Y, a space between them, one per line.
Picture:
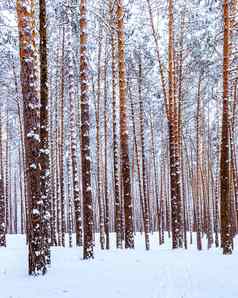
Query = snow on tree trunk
x=44 y=128
x=73 y=147
x=126 y=180
x=116 y=172
x=173 y=137
x=226 y=233
x=31 y=107
x=85 y=138
x=2 y=195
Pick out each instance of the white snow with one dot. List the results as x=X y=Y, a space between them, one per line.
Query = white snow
x=35 y=212
x=159 y=273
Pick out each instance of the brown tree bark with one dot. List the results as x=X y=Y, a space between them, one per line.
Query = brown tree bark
x=61 y=143
x=129 y=237
x=85 y=137
x=98 y=148
x=44 y=128
x=106 y=194
x=199 y=186
x=116 y=165
x=73 y=135
x=226 y=233
x=29 y=82
x=173 y=138
x=143 y=161
x=2 y=194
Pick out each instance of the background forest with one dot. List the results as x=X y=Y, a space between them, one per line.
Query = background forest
x=118 y=117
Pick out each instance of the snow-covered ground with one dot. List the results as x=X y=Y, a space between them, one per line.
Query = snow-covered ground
x=159 y=273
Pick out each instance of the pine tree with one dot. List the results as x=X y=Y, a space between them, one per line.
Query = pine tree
x=31 y=103
x=2 y=196
x=116 y=172
x=44 y=127
x=173 y=135
x=129 y=238
x=73 y=147
x=226 y=233
x=85 y=138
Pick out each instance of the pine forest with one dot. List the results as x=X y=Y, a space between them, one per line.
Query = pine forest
x=118 y=148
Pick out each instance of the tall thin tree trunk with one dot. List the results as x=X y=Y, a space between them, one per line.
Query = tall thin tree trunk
x=85 y=138
x=142 y=132
x=29 y=82
x=116 y=165
x=44 y=128
x=61 y=144
x=73 y=135
x=226 y=235
x=2 y=193
x=129 y=237
x=173 y=137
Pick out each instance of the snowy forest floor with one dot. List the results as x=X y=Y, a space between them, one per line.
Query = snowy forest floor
x=159 y=273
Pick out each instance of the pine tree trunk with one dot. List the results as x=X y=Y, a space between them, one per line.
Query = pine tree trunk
x=173 y=139
x=226 y=236
x=142 y=133
x=85 y=138
x=106 y=195
x=116 y=165
x=129 y=237
x=73 y=135
x=44 y=127
x=2 y=194
x=61 y=144
x=29 y=82
x=98 y=149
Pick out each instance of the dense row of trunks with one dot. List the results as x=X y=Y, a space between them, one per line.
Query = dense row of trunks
x=182 y=193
